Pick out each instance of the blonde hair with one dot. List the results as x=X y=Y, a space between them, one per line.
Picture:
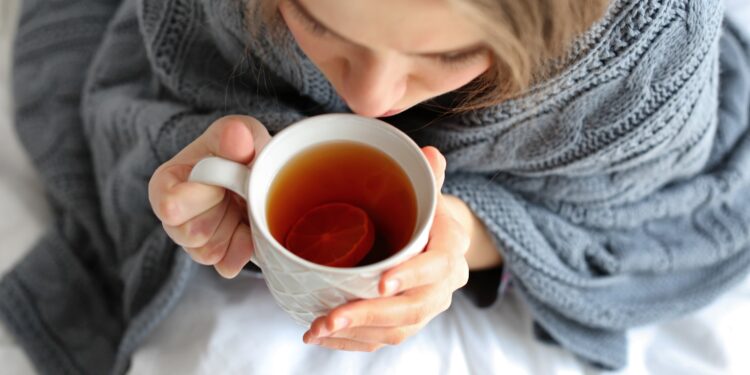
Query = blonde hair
x=527 y=39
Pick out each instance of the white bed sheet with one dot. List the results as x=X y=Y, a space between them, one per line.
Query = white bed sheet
x=228 y=327
x=23 y=213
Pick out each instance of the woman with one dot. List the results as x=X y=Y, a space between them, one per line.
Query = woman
x=584 y=142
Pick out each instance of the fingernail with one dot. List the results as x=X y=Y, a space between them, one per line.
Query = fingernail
x=391 y=286
x=340 y=323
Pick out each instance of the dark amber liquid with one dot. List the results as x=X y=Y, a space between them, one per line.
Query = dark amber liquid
x=346 y=172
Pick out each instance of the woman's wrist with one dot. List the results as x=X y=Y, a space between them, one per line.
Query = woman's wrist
x=482 y=253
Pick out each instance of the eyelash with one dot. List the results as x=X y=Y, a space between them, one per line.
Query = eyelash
x=449 y=60
x=459 y=58
x=314 y=26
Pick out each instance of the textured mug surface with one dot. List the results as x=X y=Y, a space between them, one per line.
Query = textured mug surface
x=302 y=288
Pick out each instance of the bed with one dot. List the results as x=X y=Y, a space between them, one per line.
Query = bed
x=233 y=326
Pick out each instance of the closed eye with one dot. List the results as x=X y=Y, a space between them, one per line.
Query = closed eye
x=458 y=58
x=310 y=22
x=452 y=58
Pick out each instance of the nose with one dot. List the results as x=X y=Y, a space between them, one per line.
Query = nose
x=374 y=83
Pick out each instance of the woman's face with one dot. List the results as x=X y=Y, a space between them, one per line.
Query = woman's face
x=384 y=56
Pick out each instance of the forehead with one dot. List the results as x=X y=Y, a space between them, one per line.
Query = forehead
x=411 y=26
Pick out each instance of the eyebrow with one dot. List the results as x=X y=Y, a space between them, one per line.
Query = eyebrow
x=460 y=51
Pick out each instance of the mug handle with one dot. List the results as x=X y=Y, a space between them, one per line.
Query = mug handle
x=217 y=171
x=225 y=173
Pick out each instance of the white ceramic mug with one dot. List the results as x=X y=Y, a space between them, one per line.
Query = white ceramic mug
x=302 y=288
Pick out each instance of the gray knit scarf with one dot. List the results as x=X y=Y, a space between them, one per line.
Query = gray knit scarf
x=617 y=190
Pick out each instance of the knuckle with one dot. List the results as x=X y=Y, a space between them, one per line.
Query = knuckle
x=336 y=345
x=416 y=314
x=447 y=302
x=462 y=238
x=189 y=235
x=348 y=346
x=464 y=278
x=457 y=265
x=198 y=231
x=463 y=272
x=214 y=251
x=209 y=254
x=167 y=210
x=172 y=235
x=414 y=277
x=441 y=159
x=395 y=338
x=152 y=186
x=370 y=317
x=450 y=264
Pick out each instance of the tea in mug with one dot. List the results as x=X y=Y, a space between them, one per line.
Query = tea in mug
x=342 y=204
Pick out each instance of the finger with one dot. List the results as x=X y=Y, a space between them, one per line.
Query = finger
x=437 y=163
x=378 y=335
x=197 y=231
x=176 y=201
x=215 y=249
x=348 y=345
x=317 y=329
x=443 y=257
x=447 y=233
x=432 y=266
x=419 y=306
x=238 y=253
x=231 y=137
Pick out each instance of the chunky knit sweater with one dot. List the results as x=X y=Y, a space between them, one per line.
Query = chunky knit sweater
x=616 y=190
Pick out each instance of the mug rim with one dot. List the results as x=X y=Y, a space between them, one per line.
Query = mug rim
x=389 y=262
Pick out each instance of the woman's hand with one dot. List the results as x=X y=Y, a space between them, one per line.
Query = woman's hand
x=483 y=252
x=209 y=222
x=413 y=293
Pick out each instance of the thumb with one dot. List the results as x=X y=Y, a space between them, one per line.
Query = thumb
x=437 y=164
x=174 y=199
x=235 y=141
x=237 y=138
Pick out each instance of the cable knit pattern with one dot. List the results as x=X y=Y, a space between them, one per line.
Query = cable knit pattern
x=616 y=190
x=612 y=200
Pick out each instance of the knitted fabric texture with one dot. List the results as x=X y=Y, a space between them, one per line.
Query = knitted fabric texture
x=615 y=190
